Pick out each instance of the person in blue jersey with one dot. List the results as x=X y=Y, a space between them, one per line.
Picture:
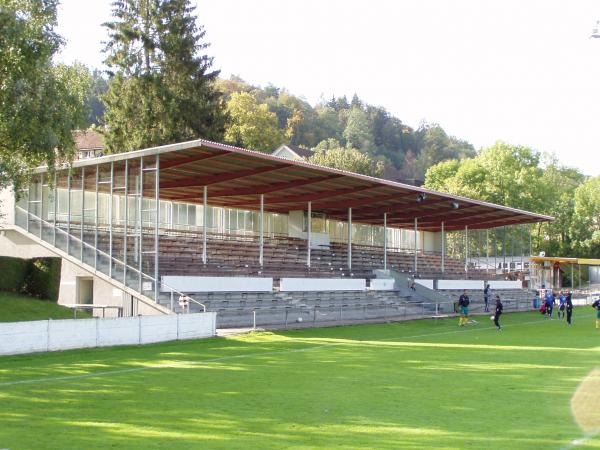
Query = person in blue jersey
x=562 y=302
x=549 y=302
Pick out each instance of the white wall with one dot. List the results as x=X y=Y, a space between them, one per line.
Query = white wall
x=460 y=284
x=17 y=245
x=217 y=284
x=295 y=226
x=500 y=284
x=323 y=284
x=7 y=207
x=382 y=284
x=51 y=335
x=427 y=283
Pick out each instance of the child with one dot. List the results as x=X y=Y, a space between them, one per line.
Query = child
x=498 y=312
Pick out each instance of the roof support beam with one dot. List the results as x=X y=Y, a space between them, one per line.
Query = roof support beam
x=219 y=178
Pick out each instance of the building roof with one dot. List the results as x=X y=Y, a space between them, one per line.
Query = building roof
x=236 y=177
x=300 y=151
x=88 y=140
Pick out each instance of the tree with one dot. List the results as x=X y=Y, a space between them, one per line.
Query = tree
x=329 y=153
x=40 y=103
x=586 y=221
x=252 y=124
x=161 y=88
x=95 y=107
x=357 y=132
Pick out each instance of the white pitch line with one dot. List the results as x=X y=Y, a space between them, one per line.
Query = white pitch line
x=246 y=355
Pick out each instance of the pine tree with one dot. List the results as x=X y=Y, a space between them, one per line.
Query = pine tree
x=161 y=86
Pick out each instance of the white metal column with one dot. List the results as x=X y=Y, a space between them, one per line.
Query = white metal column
x=466 y=248
x=126 y=224
x=110 y=218
x=350 y=238
x=68 y=211
x=443 y=246
x=140 y=199
x=487 y=250
x=156 y=225
x=96 y=195
x=204 y=218
x=384 y=241
x=55 y=207
x=262 y=228
x=415 y=266
x=309 y=233
x=82 y=218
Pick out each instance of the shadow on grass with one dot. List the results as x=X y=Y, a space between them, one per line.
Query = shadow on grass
x=416 y=385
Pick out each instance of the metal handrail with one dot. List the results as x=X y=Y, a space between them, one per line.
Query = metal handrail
x=111 y=258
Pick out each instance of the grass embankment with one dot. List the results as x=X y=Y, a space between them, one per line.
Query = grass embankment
x=404 y=385
x=15 y=308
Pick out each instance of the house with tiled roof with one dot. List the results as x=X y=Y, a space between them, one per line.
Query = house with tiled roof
x=293 y=152
x=88 y=143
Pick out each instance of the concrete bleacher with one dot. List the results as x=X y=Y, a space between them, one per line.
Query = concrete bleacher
x=238 y=309
x=283 y=256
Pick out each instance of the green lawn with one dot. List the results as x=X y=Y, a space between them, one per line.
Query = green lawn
x=15 y=307
x=404 y=385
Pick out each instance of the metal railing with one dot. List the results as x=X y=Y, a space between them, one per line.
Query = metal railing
x=302 y=316
x=97 y=253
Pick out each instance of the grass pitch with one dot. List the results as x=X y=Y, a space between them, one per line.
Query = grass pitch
x=411 y=385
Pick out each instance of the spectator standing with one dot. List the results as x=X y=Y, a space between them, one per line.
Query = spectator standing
x=486 y=297
x=562 y=299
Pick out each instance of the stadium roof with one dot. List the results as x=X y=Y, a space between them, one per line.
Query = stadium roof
x=236 y=177
x=560 y=259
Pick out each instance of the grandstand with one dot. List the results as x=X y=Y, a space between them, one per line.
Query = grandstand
x=236 y=231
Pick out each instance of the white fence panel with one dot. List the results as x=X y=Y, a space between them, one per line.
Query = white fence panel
x=194 y=326
x=158 y=329
x=323 y=284
x=217 y=284
x=427 y=283
x=382 y=284
x=44 y=335
x=460 y=284
x=501 y=284
x=23 y=337
x=118 y=331
x=71 y=333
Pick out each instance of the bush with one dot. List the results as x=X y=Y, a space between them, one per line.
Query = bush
x=38 y=277
x=43 y=278
x=14 y=272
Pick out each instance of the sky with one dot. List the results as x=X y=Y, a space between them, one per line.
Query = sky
x=525 y=72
